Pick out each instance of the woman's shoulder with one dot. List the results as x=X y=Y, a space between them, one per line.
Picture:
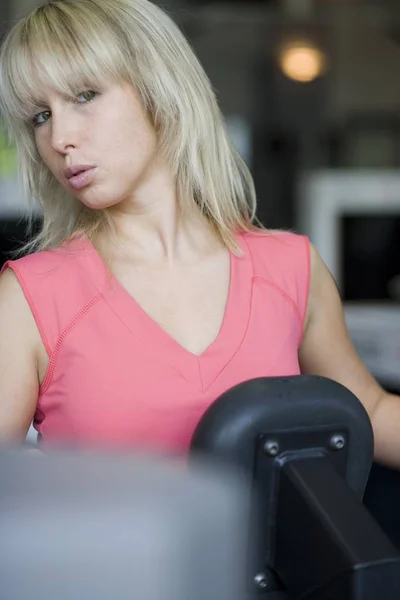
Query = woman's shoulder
x=54 y=277
x=273 y=236
x=55 y=284
x=277 y=245
x=47 y=261
x=282 y=260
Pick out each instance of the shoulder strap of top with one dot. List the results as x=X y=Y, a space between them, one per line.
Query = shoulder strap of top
x=283 y=260
x=57 y=288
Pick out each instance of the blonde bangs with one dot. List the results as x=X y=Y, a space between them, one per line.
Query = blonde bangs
x=59 y=47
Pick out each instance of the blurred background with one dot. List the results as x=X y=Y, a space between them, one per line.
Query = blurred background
x=310 y=90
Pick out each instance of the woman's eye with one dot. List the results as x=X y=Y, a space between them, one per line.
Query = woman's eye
x=41 y=118
x=82 y=98
x=87 y=96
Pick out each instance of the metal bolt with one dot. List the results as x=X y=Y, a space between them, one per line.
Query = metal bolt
x=337 y=442
x=261 y=581
x=271 y=447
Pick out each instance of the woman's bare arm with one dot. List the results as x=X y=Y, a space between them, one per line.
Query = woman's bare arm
x=19 y=381
x=327 y=350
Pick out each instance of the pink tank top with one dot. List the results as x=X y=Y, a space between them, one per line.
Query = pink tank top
x=117 y=379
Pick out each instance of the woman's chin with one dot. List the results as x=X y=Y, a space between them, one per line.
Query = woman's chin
x=96 y=202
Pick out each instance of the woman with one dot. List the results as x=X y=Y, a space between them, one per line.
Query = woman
x=150 y=289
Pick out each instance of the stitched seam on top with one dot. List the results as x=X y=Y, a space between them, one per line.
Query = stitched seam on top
x=225 y=366
x=132 y=333
x=284 y=295
x=200 y=374
x=54 y=356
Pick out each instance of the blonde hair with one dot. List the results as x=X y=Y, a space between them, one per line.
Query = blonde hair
x=66 y=44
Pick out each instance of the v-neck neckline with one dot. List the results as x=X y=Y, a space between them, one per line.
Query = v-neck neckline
x=205 y=367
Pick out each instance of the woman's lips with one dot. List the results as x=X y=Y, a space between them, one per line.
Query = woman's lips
x=82 y=179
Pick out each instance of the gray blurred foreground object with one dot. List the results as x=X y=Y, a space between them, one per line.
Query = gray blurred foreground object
x=89 y=527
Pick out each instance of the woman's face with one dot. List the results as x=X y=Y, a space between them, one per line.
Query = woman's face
x=104 y=134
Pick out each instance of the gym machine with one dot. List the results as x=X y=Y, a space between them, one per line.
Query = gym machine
x=305 y=445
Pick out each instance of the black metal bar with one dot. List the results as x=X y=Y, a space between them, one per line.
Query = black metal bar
x=328 y=547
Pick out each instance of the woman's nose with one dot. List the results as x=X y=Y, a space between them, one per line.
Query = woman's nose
x=64 y=131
